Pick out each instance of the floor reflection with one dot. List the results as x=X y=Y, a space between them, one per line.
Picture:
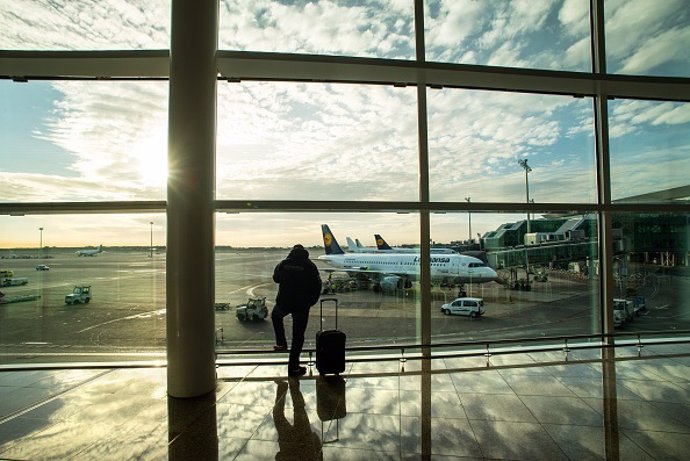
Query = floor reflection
x=602 y=407
x=296 y=441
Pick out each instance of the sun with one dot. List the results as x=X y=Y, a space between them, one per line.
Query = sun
x=152 y=163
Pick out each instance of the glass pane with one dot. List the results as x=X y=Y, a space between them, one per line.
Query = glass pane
x=645 y=37
x=83 y=141
x=541 y=34
x=651 y=271
x=364 y=28
x=84 y=25
x=477 y=140
x=284 y=141
x=116 y=263
x=545 y=282
x=376 y=303
x=650 y=150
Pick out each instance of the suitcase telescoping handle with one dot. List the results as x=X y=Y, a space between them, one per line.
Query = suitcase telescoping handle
x=336 y=311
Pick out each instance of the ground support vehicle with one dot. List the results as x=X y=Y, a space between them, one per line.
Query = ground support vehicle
x=254 y=309
x=640 y=305
x=42 y=267
x=13 y=281
x=625 y=306
x=81 y=294
x=17 y=298
x=472 y=307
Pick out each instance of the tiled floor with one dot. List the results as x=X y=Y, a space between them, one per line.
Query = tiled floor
x=520 y=407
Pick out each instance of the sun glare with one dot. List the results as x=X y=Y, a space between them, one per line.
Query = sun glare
x=152 y=163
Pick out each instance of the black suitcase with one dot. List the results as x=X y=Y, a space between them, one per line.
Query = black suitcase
x=330 y=346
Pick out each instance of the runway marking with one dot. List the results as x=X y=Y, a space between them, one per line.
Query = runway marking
x=249 y=289
x=662 y=307
x=142 y=315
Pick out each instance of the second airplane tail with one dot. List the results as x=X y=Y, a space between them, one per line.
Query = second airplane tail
x=381 y=243
x=329 y=241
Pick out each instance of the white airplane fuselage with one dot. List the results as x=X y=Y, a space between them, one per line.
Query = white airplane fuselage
x=455 y=268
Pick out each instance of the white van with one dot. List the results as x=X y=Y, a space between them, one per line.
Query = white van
x=473 y=307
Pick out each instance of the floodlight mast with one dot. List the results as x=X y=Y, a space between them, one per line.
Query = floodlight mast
x=40 y=243
x=469 y=215
x=526 y=167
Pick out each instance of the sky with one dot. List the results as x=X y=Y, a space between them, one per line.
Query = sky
x=104 y=141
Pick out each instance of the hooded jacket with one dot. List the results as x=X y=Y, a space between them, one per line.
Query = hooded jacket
x=299 y=281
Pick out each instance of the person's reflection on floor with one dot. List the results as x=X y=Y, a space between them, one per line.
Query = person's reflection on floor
x=297 y=441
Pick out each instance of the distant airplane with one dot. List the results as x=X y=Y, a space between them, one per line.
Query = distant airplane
x=357 y=247
x=90 y=251
x=382 y=245
x=391 y=270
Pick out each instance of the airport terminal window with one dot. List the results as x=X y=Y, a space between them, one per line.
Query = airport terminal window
x=85 y=25
x=83 y=141
x=650 y=150
x=543 y=34
x=528 y=284
x=99 y=141
x=378 y=28
x=87 y=287
x=652 y=283
x=302 y=141
x=474 y=152
x=376 y=308
x=642 y=39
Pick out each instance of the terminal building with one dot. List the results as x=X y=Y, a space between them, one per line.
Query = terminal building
x=555 y=242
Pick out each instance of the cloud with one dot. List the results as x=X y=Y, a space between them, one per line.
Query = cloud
x=85 y=24
x=636 y=116
x=671 y=45
x=515 y=34
x=574 y=15
x=357 y=142
x=640 y=38
x=381 y=28
x=476 y=138
x=115 y=134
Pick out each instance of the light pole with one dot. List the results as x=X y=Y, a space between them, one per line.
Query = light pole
x=40 y=243
x=469 y=216
x=151 y=246
x=523 y=164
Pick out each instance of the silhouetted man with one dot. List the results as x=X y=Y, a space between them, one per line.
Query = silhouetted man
x=299 y=287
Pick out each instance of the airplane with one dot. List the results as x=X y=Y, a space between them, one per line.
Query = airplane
x=357 y=247
x=393 y=270
x=382 y=245
x=90 y=251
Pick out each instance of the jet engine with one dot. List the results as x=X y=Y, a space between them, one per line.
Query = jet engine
x=394 y=282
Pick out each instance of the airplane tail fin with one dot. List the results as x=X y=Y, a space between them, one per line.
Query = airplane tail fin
x=358 y=243
x=381 y=243
x=329 y=241
x=350 y=244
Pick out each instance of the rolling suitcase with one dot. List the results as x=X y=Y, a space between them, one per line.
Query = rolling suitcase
x=330 y=346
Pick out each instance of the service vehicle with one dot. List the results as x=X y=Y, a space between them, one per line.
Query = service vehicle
x=42 y=267
x=472 y=307
x=253 y=309
x=625 y=306
x=640 y=305
x=6 y=273
x=13 y=281
x=81 y=294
